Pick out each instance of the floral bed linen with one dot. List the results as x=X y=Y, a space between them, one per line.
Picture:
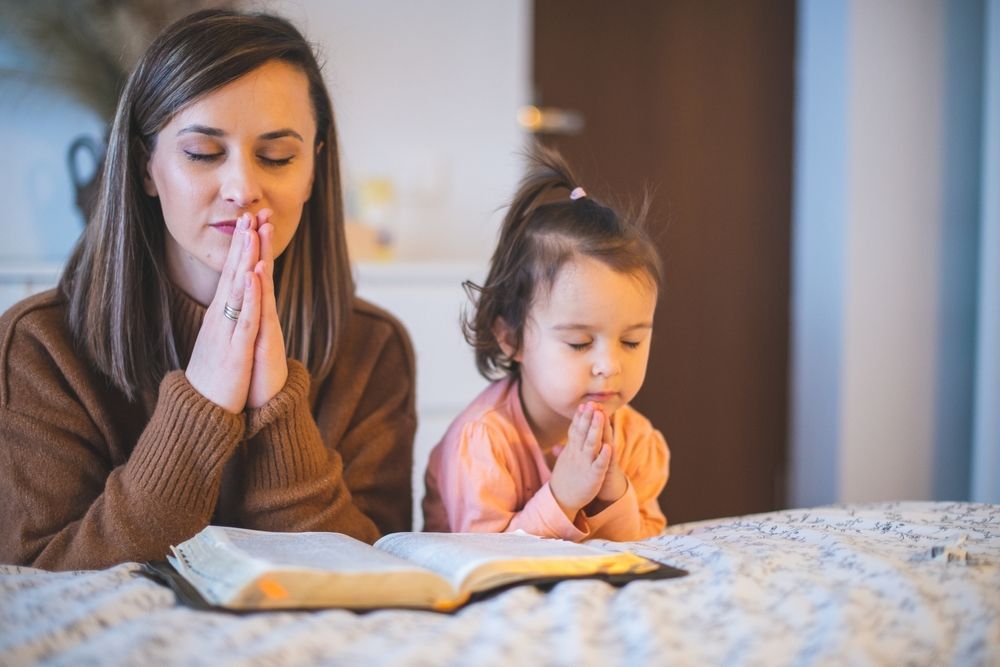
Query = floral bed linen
x=905 y=583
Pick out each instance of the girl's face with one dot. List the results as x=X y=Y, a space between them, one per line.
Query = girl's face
x=246 y=146
x=587 y=340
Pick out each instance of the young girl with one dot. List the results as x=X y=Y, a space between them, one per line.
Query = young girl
x=565 y=318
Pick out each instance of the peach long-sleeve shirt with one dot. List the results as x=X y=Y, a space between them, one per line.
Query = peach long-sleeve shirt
x=488 y=474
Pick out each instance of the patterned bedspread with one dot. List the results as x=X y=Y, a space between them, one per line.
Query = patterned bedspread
x=889 y=583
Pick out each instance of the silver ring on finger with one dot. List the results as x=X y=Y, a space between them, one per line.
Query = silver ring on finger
x=231 y=313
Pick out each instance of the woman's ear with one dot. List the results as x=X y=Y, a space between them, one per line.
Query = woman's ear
x=148 y=184
x=505 y=337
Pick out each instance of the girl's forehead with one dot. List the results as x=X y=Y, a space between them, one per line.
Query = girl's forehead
x=586 y=274
x=586 y=284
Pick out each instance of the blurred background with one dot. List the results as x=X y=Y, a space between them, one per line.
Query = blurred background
x=826 y=181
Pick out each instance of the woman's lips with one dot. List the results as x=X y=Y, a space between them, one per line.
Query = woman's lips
x=226 y=226
x=601 y=396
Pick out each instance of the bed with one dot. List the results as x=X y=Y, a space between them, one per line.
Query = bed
x=902 y=583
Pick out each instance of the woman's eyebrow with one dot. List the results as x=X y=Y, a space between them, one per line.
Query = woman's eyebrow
x=216 y=132
x=202 y=129
x=284 y=132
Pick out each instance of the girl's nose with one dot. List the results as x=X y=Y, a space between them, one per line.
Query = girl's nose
x=241 y=185
x=606 y=365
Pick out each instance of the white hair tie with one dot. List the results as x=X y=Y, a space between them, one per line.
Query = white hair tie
x=577 y=193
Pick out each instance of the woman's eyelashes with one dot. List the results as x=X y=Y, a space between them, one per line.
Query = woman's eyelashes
x=196 y=156
x=202 y=157
x=275 y=162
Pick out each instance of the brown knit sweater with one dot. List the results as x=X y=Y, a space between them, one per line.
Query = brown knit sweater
x=89 y=479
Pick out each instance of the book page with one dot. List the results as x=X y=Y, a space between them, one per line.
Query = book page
x=320 y=551
x=246 y=568
x=457 y=556
x=212 y=566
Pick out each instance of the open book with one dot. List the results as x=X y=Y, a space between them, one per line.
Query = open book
x=245 y=569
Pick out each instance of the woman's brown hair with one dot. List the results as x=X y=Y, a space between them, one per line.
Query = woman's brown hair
x=116 y=280
x=537 y=238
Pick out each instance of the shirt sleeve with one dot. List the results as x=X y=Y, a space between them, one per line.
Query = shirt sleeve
x=646 y=464
x=64 y=503
x=479 y=490
x=354 y=479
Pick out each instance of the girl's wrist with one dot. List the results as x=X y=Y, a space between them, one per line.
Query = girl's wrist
x=599 y=504
x=568 y=508
x=612 y=493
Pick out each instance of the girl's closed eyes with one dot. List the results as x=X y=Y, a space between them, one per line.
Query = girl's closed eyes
x=629 y=344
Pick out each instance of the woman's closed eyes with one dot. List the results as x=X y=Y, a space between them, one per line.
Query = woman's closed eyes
x=212 y=157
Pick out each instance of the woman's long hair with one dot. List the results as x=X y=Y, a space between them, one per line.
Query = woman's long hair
x=116 y=280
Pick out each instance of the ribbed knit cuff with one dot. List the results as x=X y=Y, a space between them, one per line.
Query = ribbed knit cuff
x=286 y=445
x=295 y=391
x=180 y=456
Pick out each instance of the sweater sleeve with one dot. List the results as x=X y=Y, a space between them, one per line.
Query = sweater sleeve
x=479 y=490
x=66 y=502
x=354 y=479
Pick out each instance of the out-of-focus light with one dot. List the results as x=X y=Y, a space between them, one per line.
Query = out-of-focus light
x=550 y=120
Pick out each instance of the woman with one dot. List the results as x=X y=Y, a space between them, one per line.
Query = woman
x=204 y=358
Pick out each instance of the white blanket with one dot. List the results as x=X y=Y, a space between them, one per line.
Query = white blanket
x=888 y=583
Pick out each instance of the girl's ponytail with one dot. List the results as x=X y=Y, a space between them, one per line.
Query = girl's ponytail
x=549 y=172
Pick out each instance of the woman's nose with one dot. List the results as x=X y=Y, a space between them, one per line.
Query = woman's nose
x=241 y=185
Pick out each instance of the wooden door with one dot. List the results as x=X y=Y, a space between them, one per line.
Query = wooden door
x=695 y=99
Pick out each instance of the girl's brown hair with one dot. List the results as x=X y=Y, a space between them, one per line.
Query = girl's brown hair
x=536 y=241
x=116 y=280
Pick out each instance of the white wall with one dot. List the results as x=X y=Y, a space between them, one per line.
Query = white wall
x=885 y=275
x=894 y=189
x=426 y=95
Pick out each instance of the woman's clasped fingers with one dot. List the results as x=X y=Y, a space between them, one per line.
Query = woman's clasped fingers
x=248 y=323
x=222 y=361
x=240 y=258
x=265 y=267
x=249 y=253
x=270 y=369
